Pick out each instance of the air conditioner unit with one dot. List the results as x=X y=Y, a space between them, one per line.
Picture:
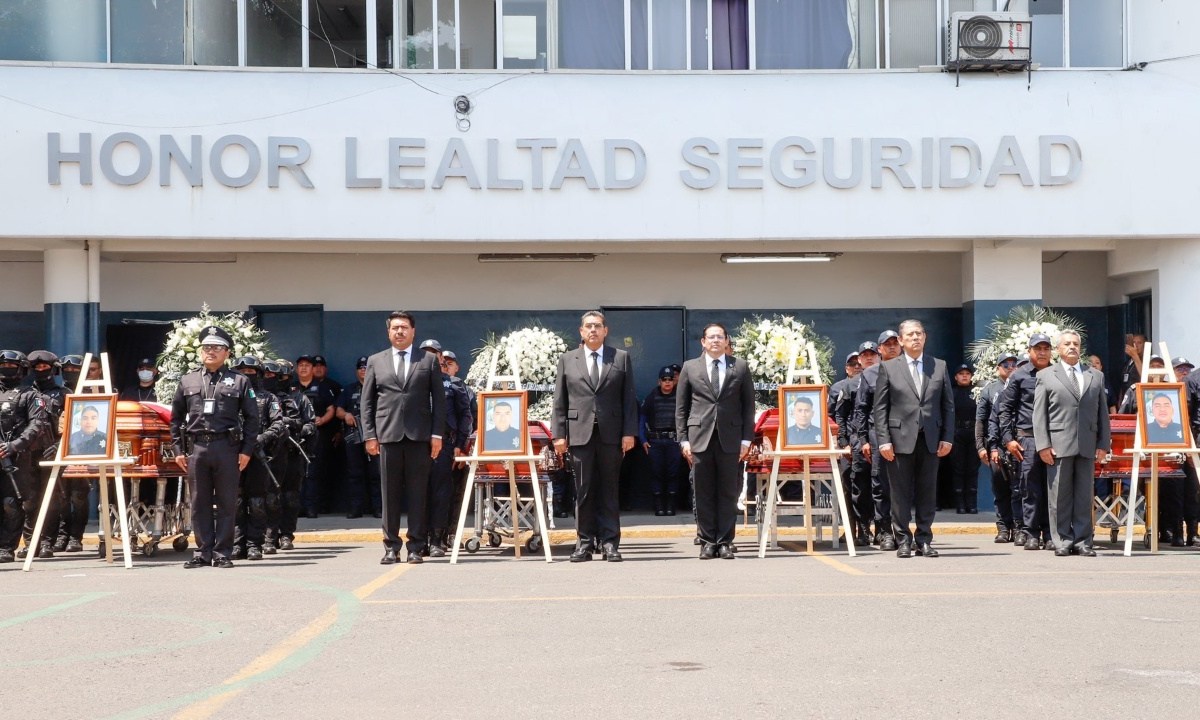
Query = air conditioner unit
x=988 y=40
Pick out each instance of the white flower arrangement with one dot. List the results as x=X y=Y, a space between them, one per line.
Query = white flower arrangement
x=1011 y=333
x=536 y=351
x=766 y=344
x=181 y=352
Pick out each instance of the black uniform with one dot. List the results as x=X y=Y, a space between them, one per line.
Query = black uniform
x=1191 y=486
x=319 y=490
x=964 y=459
x=657 y=427
x=363 y=494
x=301 y=423
x=862 y=427
x=1015 y=422
x=137 y=393
x=214 y=439
x=857 y=470
x=1006 y=479
x=459 y=424
x=54 y=398
x=23 y=421
x=256 y=479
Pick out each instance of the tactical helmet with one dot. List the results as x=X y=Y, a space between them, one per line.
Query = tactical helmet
x=11 y=356
x=40 y=356
x=71 y=361
x=272 y=367
x=247 y=361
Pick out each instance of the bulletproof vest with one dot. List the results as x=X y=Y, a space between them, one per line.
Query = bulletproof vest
x=664 y=412
x=56 y=398
x=12 y=416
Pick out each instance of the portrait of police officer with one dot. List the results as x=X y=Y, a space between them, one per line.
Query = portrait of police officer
x=803 y=424
x=214 y=428
x=88 y=438
x=23 y=420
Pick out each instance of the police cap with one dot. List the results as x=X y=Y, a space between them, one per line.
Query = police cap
x=146 y=363
x=1038 y=339
x=431 y=344
x=852 y=356
x=666 y=373
x=887 y=335
x=868 y=346
x=1006 y=356
x=305 y=358
x=213 y=335
x=361 y=362
x=449 y=355
x=1180 y=361
x=319 y=360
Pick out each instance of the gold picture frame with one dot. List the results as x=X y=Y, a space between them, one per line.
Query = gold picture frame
x=1163 y=416
x=501 y=428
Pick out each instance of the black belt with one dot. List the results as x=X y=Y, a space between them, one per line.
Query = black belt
x=660 y=435
x=207 y=436
x=1024 y=433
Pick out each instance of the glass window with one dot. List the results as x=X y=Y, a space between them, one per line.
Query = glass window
x=700 y=34
x=802 y=34
x=1047 y=32
x=591 y=34
x=148 y=31
x=445 y=34
x=477 y=33
x=273 y=33
x=669 y=40
x=1097 y=33
x=867 y=47
x=913 y=33
x=337 y=33
x=384 y=18
x=731 y=34
x=53 y=30
x=416 y=27
x=214 y=33
x=525 y=34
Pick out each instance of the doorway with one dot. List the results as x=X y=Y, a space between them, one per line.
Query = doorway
x=294 y=330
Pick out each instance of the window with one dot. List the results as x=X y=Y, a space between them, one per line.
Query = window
x=148 y=31
x=803 y=34
x=337 y=33
x=591 y=34
x=273 y=36
x=53 y=30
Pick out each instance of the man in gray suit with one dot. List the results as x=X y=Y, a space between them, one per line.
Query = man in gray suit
x=714 y=421
x=1071 y=433
x=914 y=420
x=596 y=415
x=403 y=413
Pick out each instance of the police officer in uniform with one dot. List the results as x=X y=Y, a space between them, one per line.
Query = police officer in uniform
x=44 y=366
x=856 y=469
x=23 y=421
x=459 y=424
x=1006 y=485
x=214 y=418
x=250 y=532
x=862 y=424
x=271 y=371
x=964 y=460
x=302 y=427
x=1016 y=435
x=657 y=428
x=362 y=470
x=147 y=373
x=317 y=490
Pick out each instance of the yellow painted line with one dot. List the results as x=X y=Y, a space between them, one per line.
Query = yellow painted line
x=837 y=564
x=782 y=596
x=282 y=651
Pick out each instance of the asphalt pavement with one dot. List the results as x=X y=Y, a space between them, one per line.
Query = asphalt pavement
x=324 y=631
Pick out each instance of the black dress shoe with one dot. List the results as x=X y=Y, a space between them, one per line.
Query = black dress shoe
x=697 y=541
x=726 y=553
x=1003 y=536
x=611 y=554
x=1062 y=552
x=904 y=550
x=1087 y=551
x=1031 y=543
x=888 y=543
x=353 y=515
x=708 y=552
x=223 y=562
x=581 y=554
x=389 y=557
x=414 y=558
x=926 y=549
x=197 y=562
x=436 y=551
x=560 y=514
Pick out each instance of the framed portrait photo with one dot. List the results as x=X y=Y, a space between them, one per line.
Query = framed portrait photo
x=1163 y=416
x=501 y=428
x=91 y=430
x=802 y=421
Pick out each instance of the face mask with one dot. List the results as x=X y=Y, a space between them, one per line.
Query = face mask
x=270 y=383
x=10 y=372
x=43 y=376
x=145 y=375
x=70 y=378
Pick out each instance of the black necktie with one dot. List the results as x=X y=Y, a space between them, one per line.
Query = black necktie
x=595 y=370
x=715 y=377
x=400 y=365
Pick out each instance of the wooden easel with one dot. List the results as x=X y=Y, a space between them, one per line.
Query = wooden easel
x=105 y=466
x=810 y=373
x=530 y=458
x=1165 y=374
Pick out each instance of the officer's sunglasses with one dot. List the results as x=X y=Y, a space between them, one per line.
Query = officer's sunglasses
x=1008 y=364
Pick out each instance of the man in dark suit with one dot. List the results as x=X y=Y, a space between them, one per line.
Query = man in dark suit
x=714 y=421
x=596 y=414
x=914 y=420
x=1071 y=433
x=403 y=413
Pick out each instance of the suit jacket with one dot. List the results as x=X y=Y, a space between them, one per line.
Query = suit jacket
x=901 y=413
x=700 y=413
x=1071 y=421
x=394 y=408
x=610 y=408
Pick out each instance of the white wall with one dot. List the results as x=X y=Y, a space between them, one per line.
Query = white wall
x=21 y=285
x=1074 y=279
x=460 y=282
x=1138 y=167
x=1163 y=29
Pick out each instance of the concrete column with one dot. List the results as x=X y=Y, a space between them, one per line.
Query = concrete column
x=994 y=281
x=71 y=299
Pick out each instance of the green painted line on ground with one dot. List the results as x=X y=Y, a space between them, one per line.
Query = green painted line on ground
x=82 y=599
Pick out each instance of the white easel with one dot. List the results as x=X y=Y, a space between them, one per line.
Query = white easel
x=105 y=466
x=812 y=375
x=510 y=464
x=1165 y=374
